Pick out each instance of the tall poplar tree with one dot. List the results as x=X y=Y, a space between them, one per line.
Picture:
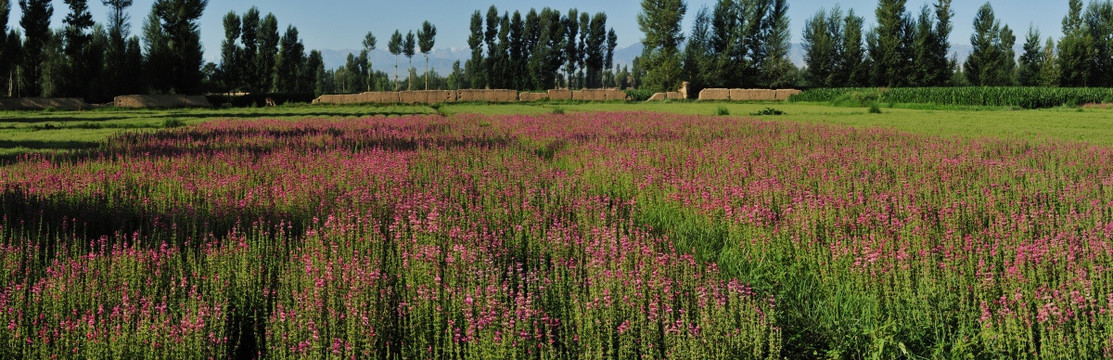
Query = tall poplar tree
x=408 y=46
x=369 y=43
x=822 y=35
x=426 y=38
x=1074 y=49
x=267 y=45
x=395 y=47
x=1098 y=21
x=991 y=63
x=777 y=70
x=122 y=72
x=36 y=31
x=1032 y=60
x=249 y=37
x=81 y=65
x=660 y=22
x=572 y=47
x=596 y=50
x=853 y=62
x=474 y=67
x=289 y=64
x=6 y=50
x=892 y=61
x=231 y=54
x=697 y=53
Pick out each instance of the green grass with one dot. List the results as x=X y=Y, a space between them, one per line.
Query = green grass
x=27 y=132
x=23 y=132
x=1093 y=126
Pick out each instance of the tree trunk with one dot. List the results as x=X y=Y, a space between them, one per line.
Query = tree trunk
x=426 y=71
x=395 y=72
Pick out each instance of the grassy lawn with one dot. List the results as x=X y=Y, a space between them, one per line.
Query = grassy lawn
x=48 y=131
x=1094 y=126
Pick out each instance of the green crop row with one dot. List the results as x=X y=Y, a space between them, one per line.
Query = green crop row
x=1023 y=97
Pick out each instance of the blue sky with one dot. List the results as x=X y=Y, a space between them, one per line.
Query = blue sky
x=341 y=24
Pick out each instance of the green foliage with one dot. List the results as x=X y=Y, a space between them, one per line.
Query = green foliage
x=892 y=53
x=596 y=50
x=852 y=65
x=426 y=39
x=35 y=21
x=1074 y=49
x=860 y=98
x=231 y=54
x=660 y=22
x=1032 y=61
x=267 y=44
x=768 y=112
x=639 y=94
x=173 y=42
x=823 y=50
x=249 y=37
x=172 y=123
x=776 y=70
x=122 y=59
x=1022 y=97
x=288 y=77
x=930 y=47
x=698 y=59
x=722 y=111
x=81 y=64
x=1099 y=27
x=875 y=108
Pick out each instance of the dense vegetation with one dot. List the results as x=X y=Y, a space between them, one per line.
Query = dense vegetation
x=837 y=56
x=1022 y=97
x=576 y=235
x=84 y=59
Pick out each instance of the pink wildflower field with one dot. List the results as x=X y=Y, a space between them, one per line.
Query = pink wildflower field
x=585 y=235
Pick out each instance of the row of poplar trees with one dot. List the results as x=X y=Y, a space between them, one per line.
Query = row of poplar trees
x=99 y=61
x=571 y=50
x=901 y=51
x=912 y=51
x=255 y=59
x=740 y=43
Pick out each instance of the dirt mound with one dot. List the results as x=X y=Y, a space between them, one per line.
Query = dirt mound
x=162 y=101
x=43 y=104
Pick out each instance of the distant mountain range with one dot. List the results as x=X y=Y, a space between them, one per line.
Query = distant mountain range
x=440 y=60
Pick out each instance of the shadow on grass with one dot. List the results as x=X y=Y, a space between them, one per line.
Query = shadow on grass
x=215 y=114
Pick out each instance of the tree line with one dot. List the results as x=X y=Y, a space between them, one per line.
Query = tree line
x=740 y=43
x=86 y=59
x=912 y=51
x=573 y=50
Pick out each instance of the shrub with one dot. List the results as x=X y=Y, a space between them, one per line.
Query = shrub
x=768 y=112
x=723 y=111
x=172 y=123
x=639 y=94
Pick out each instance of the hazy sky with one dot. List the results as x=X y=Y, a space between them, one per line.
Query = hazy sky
x=341 y=24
